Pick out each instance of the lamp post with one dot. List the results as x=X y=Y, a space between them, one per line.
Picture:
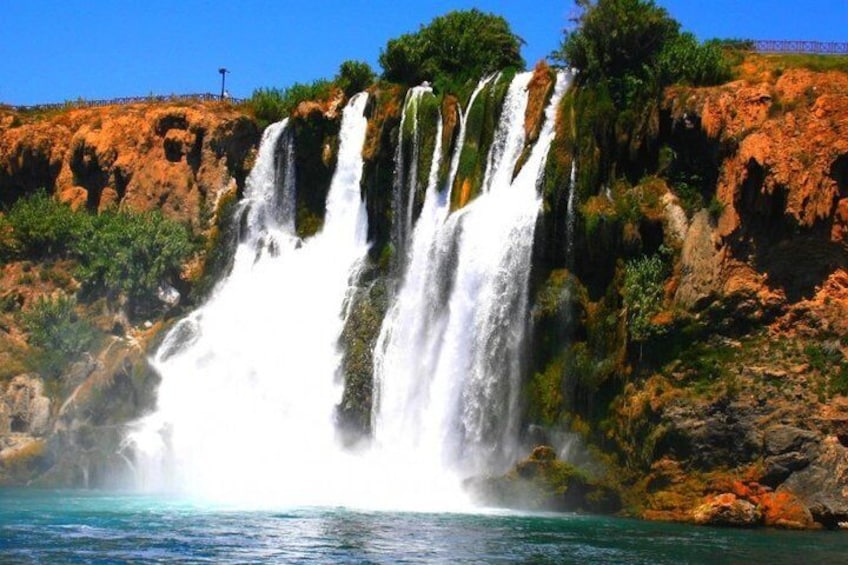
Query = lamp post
x=223 y=72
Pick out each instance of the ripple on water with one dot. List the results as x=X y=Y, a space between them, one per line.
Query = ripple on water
x=72 y=527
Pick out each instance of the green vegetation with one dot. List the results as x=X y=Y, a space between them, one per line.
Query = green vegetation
x=130 y=254
x=643 y=295
x=627 y=51
x=58 y=333
x=271 y=105
x=818 y=63
x=118 y=253
x=684 y=60
x=354 y=76
x=451 y=50
x=38 y=227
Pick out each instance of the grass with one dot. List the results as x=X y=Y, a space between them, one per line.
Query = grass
x=818 y=63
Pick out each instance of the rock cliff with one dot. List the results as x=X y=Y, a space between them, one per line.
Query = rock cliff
x=176 y=158
x=730 y=406
x=173 y=157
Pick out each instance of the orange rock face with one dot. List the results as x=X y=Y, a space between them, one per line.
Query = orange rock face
x=792 y=136
x=782 y=235
x=175 y=158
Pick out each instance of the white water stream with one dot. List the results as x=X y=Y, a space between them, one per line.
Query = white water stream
x=246 y=406
x=250 y=382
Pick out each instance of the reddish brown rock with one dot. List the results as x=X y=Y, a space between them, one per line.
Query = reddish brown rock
x=727 y=510
x=175 y=158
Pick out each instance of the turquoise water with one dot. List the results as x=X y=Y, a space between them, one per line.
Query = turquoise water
x=84 y=527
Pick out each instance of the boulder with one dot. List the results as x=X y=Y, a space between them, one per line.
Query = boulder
x=727 y=510
x=823 y=485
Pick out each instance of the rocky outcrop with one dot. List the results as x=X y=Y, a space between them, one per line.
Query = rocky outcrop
x=24 y=423
x=175 y=158
x=727 y=510
x=783 y=228
x=542 y=482
x=78 y=442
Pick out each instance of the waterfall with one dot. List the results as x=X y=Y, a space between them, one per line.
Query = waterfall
x=571 y=215
x=405 y=183
x=245 y=410
x=448 y=361
x=250 y=380
x=509 y=138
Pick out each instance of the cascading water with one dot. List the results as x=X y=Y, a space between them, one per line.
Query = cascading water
x=249 y=390
x=448 y=361
x=246 y=406
x=405 y=184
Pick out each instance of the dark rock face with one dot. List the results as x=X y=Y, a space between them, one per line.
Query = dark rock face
x=718 y=434
x=823 y=484
x=787 y=449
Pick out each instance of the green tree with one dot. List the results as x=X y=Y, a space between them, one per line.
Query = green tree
x=458 y=46
x=354 y=76
x=636 y=48
x=619 y=42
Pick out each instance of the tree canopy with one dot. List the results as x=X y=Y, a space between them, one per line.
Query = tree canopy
x=456 y=47
x=635 y=48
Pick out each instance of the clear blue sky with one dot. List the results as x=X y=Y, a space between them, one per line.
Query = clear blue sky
x=58 y=50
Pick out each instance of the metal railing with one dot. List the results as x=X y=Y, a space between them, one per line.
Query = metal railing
x=803 y=47
x=83 y=103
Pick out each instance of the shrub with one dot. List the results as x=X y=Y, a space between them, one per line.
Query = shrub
x=125 y=253
x=131 y=254
x=643 y=294
x=618 y=42
x=58 y=333
x=271 y=105
x=627 y=51
x=636 y=48
x=685 y=60
x=40 y=227
x=354 y=76
x=454 y=48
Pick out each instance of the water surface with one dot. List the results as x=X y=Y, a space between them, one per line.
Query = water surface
x=39 y=526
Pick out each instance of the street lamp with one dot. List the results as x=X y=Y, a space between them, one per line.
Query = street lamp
x=223 y=72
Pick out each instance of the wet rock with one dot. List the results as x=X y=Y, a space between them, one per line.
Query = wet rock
x=785 y=510
x=542 y=482
x=700 y=264
x=722 y=433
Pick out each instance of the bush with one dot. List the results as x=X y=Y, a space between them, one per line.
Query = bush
x=271 y=105
x=58 y=333
x=454 y=48
x=40 y=227
x=643 y=295
x=619 y=42
x=125 y=253
x=131 y=254
x=354 y=77
x=685 y=60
